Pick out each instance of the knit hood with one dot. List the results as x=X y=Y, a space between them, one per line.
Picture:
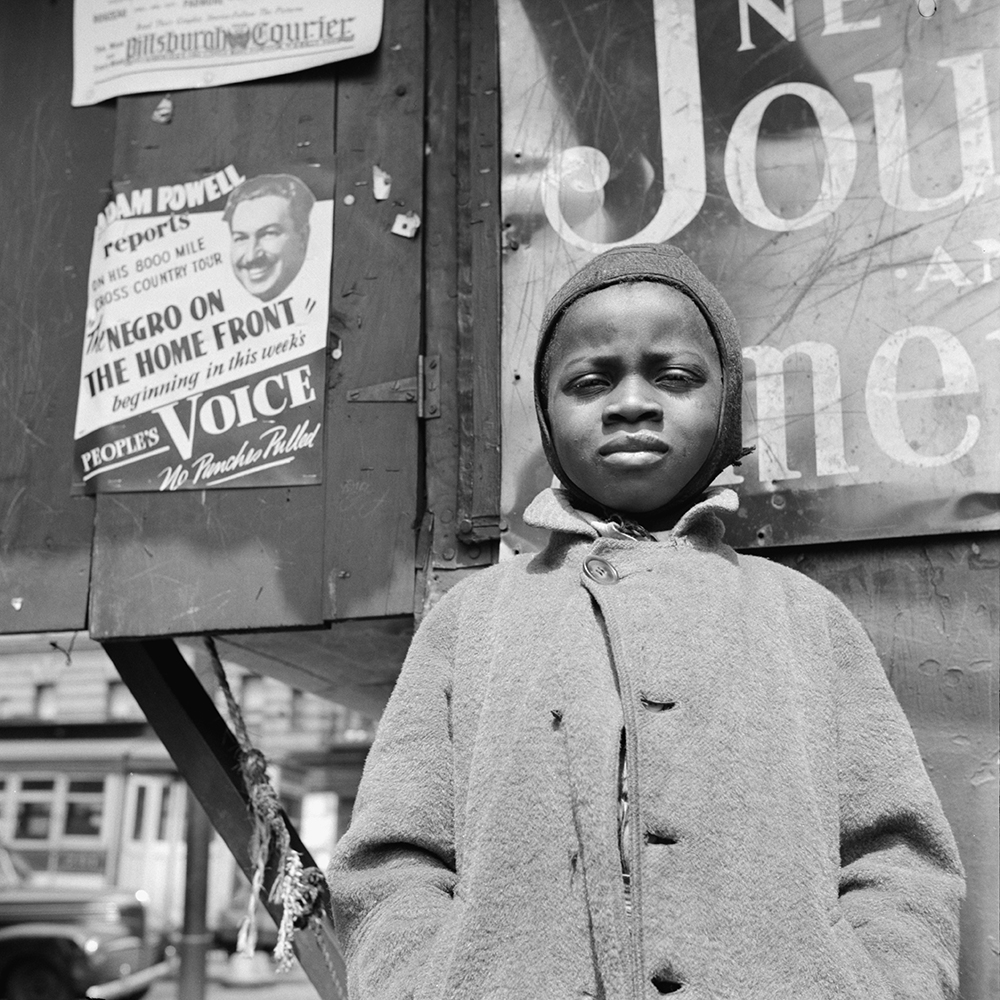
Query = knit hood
x=667 y=265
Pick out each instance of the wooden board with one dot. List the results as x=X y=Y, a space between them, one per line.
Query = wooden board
x=222 y=559
x=372 y=479
x=55 y=173
x=932 y=608
x=354 y=663
x=244 y=558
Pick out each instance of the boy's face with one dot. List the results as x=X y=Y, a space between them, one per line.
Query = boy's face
x=634 y=393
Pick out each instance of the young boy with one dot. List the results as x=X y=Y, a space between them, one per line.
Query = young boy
x=638 y=763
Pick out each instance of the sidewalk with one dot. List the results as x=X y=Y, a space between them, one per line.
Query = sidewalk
x=243 y=979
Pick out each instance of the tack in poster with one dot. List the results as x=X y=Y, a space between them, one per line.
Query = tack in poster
x=205 y=343
x=136 y=46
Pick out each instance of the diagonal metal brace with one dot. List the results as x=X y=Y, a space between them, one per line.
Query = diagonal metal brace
x=207 y=755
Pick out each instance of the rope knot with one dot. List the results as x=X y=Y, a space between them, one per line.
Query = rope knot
x=301 y=892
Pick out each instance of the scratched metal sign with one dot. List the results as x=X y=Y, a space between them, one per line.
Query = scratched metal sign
x=831 y=166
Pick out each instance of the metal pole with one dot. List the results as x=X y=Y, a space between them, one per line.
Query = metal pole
x=195 y=937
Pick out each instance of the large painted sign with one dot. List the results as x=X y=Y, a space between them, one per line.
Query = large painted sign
x=204 y=356
x=832 y=166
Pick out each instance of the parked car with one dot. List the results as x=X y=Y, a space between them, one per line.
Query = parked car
x=61 y=942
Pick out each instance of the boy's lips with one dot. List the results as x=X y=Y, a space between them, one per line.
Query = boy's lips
x=633 y=450
x=630 y=443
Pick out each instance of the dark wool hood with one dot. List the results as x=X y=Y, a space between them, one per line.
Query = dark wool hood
x=665 y=264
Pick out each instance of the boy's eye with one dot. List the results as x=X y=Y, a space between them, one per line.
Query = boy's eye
x=588 y=384
x=591 y=382
x=677 y=377
x=673 y=378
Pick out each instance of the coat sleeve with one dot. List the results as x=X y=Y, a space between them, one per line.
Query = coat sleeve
x=901 y=880
x=392 y=876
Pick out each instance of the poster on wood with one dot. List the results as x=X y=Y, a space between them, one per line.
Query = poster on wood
x=205 y=342
x=134 y=46
x=832 y=168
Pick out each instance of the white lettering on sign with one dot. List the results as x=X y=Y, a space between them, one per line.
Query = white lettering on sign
x=882 y=397
x=170 y=198
x=782 y=19
x=176 y=197
x=772 y=441
x=942 y=267
x=975 y=141
x=839 y=163
x=572 y=185
x=222 y=412
x=583 y=170
x=834 y=23
x=991 y=251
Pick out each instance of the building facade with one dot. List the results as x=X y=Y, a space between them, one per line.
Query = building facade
x=88 y=793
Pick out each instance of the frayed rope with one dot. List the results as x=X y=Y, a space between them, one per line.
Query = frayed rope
x=301 y=892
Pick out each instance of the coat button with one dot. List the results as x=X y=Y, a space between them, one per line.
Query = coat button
x=600 y=570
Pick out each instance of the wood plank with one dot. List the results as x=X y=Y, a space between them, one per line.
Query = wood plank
x=931 y=607
x=219 y=559
x=55 y=168
x=353 y=663
x=441 y=435
x=373 y=480
x=193 y=562
x=479 y=272
x=440 y=274
x=207 y=755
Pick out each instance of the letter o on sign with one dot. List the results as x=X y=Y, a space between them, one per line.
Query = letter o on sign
x=838 y=169
x=217 y=415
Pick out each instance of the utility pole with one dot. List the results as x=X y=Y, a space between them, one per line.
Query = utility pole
x=195 y=937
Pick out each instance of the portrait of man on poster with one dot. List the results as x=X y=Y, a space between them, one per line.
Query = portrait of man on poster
x=268 y=219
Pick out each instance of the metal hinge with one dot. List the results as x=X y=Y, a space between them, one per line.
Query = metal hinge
x=424 y=389
x=480 y=527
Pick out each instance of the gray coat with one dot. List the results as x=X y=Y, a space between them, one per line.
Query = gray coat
x=785 y=839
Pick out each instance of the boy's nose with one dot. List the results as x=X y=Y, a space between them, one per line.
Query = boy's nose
x=632 y=402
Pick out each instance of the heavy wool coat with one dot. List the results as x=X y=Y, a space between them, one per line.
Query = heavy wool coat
x=785 y=841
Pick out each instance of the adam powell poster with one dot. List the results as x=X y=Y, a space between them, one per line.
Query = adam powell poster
x=204 y=353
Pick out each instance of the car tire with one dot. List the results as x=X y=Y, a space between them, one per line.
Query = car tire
x=37 y=980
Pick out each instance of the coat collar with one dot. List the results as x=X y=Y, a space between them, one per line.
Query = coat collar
x=552 y=510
